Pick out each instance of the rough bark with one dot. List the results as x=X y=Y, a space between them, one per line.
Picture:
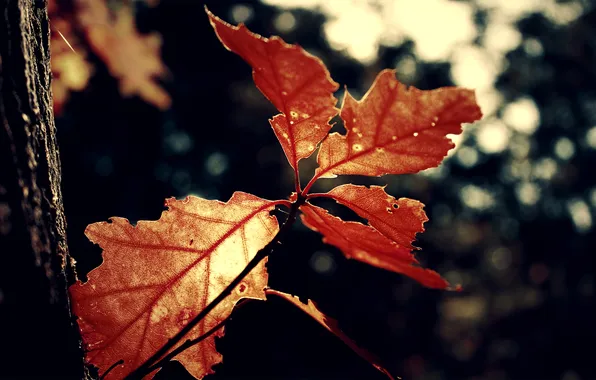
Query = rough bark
x=38 y=338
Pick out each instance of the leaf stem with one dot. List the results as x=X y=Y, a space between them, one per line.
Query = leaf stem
x=283 y=202
x=309 y=185
x=150 y=364
x=318 y=195
x=297 y=179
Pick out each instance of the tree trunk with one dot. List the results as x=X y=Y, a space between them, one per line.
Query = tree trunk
x=38 y=337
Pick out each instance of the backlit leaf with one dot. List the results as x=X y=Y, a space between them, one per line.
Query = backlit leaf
x=398 y=219
x=395 y=129
x=297 y=83
x=157 y=275
x=330 y=324
x=366 y=244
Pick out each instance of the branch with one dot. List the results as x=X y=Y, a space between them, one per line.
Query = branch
x=151 y=364
x=191 y=342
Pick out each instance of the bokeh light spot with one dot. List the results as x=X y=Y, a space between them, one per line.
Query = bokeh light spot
x=522 y=115
x=591 y=137
x=564 y=148
x=593 y=197
x=356 y=31
x=500 y=258
x=179 y=142
x=493 y=136
x=241 y=13
x=467 y=156
x=216 y=164
x=285 y=22
x=533 y=47
x=476 y=197
x=473 y=67
x=580 y=215
x=545 y=168
x=323 y=263
x=501 y=36
x=528 y=193
x=406 y=68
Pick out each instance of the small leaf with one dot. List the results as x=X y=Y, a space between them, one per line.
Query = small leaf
x=398 y=219
x=297 y=83
x=158 y=275
x=366 y=244
x=330 y=324
x=395 y=129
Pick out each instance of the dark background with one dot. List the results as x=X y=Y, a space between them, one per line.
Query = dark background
x=528 y=308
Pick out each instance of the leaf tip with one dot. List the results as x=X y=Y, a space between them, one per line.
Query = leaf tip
x=346 y=98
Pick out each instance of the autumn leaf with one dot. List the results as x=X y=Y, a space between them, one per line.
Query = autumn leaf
x=134 y=59
x=157 y=275
x=395 y=129
x=297 y=83
x=398 y=219
x=331 y=325
x=364 y=243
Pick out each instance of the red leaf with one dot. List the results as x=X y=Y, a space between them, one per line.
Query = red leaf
x=366 y=244
x=398 y=219
x=330 y=324
x=158 y=275
x=297 y=83
x=395 y=130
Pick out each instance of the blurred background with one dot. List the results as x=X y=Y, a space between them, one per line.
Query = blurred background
x=511 y=209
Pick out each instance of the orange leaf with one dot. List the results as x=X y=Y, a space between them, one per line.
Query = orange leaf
x=157 y=275
x=330 y=324
x=398 y=219
x=297 y=83
x=395 y=129
x=366 y=244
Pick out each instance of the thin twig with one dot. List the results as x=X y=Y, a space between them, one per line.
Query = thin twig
x=147 y=366
x=318 y=195
x=191 y=342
